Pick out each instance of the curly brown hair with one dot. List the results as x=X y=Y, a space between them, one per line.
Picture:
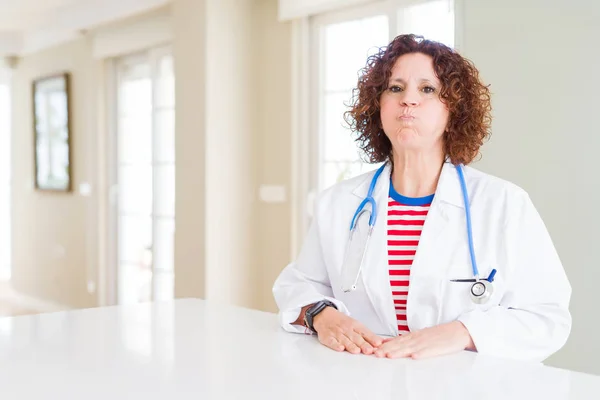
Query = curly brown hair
x=467 y=99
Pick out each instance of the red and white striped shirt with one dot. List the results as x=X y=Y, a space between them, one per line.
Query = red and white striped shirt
x=406 y=216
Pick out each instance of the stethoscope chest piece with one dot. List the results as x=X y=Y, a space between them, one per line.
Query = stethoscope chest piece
x=481 y=291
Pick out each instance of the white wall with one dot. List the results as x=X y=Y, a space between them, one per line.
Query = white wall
x=231 y=152
x=541 y=58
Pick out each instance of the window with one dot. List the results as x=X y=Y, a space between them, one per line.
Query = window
x=341 y=44
x=145 y=177
x=345 y=48
x=5 y=179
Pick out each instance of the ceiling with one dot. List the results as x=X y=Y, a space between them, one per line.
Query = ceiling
x=30 y=25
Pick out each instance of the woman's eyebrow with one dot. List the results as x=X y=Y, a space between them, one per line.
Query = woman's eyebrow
x=422 y=80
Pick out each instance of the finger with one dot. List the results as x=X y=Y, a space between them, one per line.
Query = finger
x=402 y=352
x=350 y=346
x=384 y=349
x=332 y=343
x=408 y=348
x=393 y=345
x=358 y=340
x=370 y=337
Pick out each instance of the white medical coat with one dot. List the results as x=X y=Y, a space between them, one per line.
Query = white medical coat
x=527 y=316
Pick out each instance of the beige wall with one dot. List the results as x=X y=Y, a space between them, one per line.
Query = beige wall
x=544 y=78
x=189 y=50
x=274 y=79
x=53 y=233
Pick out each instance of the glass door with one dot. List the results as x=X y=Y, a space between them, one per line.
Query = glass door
x=145 y=177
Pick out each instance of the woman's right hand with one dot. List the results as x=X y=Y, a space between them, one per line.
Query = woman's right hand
x=339 y=332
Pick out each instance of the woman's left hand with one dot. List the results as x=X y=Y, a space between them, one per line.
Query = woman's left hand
x=429 y=342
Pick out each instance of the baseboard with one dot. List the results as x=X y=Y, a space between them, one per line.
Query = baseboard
x=26 y=302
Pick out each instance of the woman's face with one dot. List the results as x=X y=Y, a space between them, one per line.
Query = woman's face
x=412 y=114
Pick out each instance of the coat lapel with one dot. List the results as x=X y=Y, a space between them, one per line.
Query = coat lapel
x=375 y=267
x=447 y=200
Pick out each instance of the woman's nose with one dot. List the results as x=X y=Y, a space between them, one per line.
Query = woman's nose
x=410 y=98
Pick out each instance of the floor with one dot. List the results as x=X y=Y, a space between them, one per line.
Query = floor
x=9 y=306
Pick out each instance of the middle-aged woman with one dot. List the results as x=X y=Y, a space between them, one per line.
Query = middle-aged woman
x=457 y=259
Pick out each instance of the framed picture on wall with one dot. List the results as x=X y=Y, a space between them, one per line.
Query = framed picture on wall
x=52 y=133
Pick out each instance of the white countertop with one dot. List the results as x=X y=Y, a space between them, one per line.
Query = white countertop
x=192 y=349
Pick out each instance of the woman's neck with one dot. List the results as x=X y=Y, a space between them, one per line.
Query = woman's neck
x=416 y=174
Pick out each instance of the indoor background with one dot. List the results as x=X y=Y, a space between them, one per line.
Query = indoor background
x=201 y=130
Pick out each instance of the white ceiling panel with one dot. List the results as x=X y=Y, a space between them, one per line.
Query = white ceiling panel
x=52 y=21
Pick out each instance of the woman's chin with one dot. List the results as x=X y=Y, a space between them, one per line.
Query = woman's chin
x=407 y=141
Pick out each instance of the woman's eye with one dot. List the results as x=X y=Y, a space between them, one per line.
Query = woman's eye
x=428 y=89
x=395 y=89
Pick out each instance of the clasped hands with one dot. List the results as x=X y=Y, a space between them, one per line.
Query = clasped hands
x=343 y=333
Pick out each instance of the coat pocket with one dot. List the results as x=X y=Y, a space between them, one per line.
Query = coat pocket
x=456 y=298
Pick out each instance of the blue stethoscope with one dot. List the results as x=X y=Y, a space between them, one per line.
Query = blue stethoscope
x=481 y=289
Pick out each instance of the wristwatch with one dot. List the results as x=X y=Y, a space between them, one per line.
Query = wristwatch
x=314 y=310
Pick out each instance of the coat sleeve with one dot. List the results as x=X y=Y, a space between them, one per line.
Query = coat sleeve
x=304 y=281
x=532 y=320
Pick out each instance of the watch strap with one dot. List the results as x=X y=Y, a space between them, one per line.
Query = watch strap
x=314 y=310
